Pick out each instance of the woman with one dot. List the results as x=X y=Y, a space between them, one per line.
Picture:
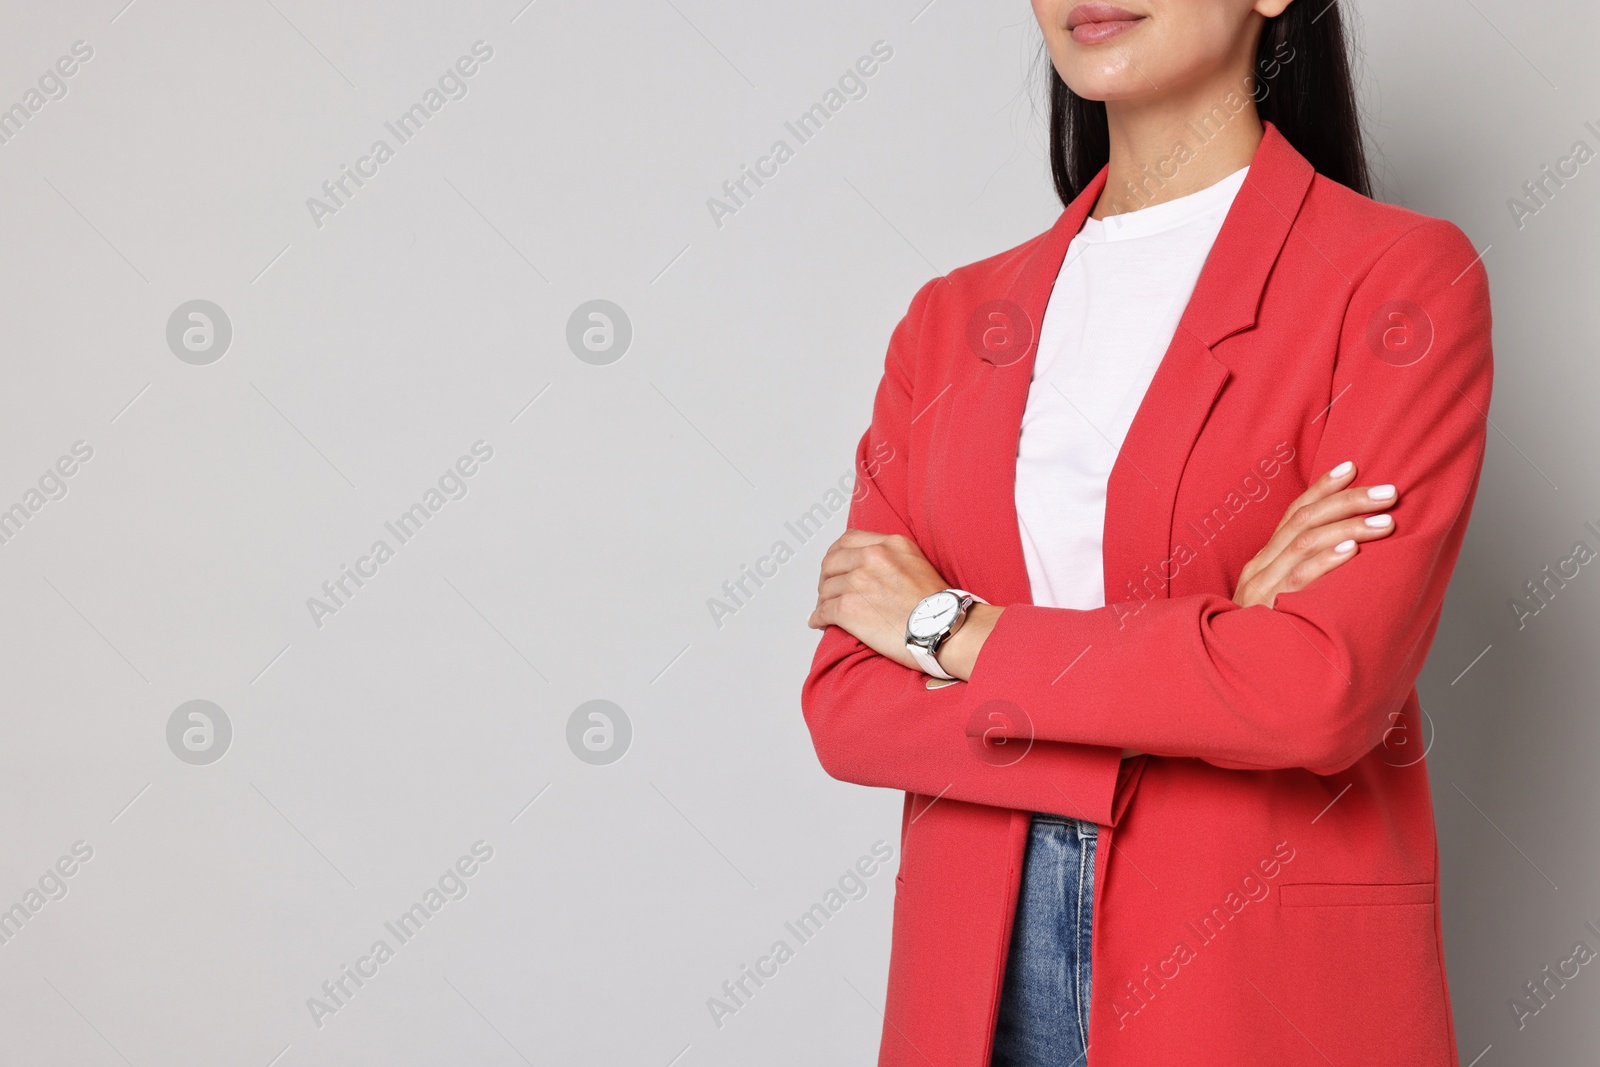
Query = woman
x=1151 y=724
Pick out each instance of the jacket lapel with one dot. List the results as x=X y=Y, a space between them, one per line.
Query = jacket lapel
x=993 y=397
x=1143 y=486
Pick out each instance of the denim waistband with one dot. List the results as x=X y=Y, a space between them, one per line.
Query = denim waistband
x=1084 y=828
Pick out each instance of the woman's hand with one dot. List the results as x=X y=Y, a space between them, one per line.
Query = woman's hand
x=1319 y=532
x=870 y=582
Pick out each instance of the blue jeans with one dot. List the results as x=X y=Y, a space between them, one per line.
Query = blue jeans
x=1044 y=1005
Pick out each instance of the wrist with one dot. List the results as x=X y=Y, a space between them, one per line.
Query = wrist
x=959 y=653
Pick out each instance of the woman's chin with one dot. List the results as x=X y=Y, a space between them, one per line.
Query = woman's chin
x=1113 y=79
x=1116 y=87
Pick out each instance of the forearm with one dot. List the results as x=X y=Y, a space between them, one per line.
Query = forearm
x=874 y=722
x=1197 y=676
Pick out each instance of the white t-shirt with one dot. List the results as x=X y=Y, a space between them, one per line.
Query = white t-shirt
x=1122 y=288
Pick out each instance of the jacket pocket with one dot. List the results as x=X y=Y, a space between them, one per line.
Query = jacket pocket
x=1351 y=894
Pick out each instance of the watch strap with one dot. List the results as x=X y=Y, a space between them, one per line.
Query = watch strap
x=928 y=663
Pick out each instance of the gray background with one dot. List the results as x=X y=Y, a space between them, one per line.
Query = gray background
x=368 y=354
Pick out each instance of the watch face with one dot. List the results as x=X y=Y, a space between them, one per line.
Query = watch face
x=934 y=614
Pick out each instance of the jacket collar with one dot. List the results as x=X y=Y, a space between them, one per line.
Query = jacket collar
x=1142 y=490
x=1229 y=289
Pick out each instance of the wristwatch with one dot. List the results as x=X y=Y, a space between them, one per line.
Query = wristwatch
x=932 y=622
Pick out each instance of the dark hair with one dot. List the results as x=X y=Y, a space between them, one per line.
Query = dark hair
x=1302 y=86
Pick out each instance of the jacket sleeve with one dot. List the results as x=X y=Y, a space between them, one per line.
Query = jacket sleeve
x=1311 y=682
x=875 y=722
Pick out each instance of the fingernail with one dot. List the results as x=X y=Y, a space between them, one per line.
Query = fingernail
x=1378 y=522
x=1381 y=492
x=1342 y=469
x=1344 y=546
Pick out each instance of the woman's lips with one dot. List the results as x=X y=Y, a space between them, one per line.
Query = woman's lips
x=1095 y=22
x=1095 y=32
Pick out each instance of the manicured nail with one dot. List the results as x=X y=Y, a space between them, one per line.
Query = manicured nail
x=1342 y=469
x=1344 y=546
x=1378 y=522
x=1381 y=492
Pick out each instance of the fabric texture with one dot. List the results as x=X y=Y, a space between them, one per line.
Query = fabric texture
x=1282 y=741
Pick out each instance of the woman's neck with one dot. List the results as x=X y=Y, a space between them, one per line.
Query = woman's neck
x=1163 y=150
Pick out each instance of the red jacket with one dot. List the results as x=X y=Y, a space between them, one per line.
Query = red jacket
x=1266 y=880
